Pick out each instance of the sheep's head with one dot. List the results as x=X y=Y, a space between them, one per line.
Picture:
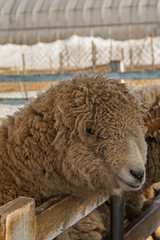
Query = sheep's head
x=151 y=97
x=101 y=121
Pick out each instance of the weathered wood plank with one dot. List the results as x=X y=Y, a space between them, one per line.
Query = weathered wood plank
x=145 y=224
x=59 y=217
x=56 y=77
x=17 y=220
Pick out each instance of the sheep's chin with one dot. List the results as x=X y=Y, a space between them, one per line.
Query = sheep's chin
x=126 y=186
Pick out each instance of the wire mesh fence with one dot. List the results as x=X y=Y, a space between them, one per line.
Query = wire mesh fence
x=79 y=54
x=75 y=54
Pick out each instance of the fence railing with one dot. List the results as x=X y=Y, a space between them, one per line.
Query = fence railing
x=56 y=77
x=145 y=224
x=89 y=54
x=19 y=219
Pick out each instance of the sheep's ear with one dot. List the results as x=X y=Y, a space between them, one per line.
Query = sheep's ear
x=152 y=121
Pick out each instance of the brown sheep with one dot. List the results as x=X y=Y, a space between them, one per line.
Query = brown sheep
x=151 y=97
x=81 y=136
x=137 y=202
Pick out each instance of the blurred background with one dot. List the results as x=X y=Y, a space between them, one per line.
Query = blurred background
x=69 y=36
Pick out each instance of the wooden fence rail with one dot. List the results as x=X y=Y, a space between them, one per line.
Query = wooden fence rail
x=56 y=77
x=145 y=224
x=19 y=219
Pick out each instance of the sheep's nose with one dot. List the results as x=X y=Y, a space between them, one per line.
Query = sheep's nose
x=137 y=174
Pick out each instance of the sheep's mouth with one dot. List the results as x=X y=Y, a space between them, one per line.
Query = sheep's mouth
x=136 y=186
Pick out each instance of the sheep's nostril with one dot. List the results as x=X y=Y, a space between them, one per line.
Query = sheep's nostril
x=137 y=174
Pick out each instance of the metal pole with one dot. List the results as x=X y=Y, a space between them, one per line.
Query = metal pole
x=152 y=52
x=117 y=217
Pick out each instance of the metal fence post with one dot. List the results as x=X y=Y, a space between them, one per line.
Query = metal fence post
x=117 y=218
x=94 y=57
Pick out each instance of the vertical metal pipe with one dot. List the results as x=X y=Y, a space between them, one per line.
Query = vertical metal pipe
x=117 y=217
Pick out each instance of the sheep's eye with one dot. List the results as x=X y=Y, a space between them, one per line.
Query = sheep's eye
x=90 y=131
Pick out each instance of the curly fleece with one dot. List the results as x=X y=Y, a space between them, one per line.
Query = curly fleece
x=151 y=97
x=135 y=201
x=72 y=139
